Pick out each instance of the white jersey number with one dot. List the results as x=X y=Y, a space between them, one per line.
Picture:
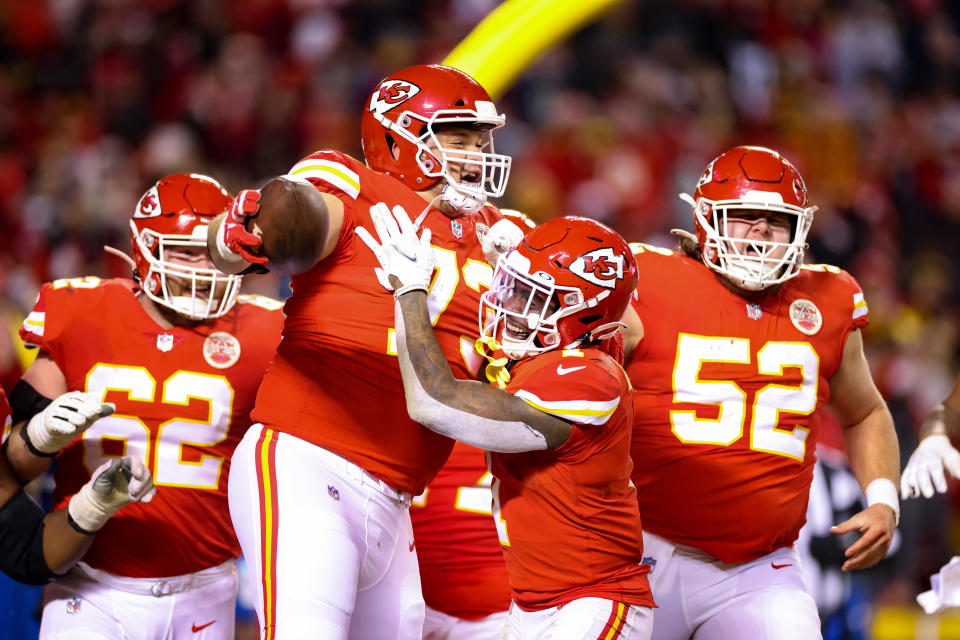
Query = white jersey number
x=476 y=274
x=165 y=453
x=731 y=400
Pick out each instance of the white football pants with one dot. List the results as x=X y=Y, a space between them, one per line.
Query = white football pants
x=701 y=598
x=88 y=604
x=582 y=619
x=329 y=548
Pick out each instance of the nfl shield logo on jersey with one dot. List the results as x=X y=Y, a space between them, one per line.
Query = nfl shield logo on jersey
x=221 y=350
x=754 y=312
x=457 y=228
x=165 y=342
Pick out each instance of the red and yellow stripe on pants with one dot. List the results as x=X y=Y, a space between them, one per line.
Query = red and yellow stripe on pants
x=614 y=626
x=269 y=520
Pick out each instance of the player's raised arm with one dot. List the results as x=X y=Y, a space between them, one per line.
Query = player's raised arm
x=287 y=226
x=46 y=417
x=472 y=412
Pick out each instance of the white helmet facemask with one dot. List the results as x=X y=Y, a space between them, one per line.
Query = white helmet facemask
x=521 y=310
x=492 y=170
x=207 y=292
x=754 y=264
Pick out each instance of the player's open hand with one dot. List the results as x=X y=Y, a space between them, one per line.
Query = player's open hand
x=63 y=420
x=233 y=233
x=876 y=525
x=114 y=484
x=503 y=236
x=924 y=472
x=406 y=261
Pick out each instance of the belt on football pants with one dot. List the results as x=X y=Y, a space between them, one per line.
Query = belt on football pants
x=365 y=478
x=157 y=587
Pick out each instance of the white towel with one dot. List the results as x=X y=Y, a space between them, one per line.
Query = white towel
x=946 y=588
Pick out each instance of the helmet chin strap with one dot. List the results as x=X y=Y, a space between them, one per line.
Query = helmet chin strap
x=190 y=307
x=426 y=210
x=461 y=201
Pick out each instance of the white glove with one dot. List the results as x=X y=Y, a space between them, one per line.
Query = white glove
x=64 y=419
x=924 y=470
x=115 y=483
x=400 y=252
x=502 y=237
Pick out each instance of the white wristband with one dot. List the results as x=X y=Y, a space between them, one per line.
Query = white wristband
x=883 y=491
x=88 y=510
x=222 y=247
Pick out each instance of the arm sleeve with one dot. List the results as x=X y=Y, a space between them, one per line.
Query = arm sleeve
x=21 y=541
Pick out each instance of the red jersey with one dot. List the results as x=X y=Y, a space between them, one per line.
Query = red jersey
x=567 y=517
x=461 y=565
x=335 y=381
x=183 y=398
x=728 y=401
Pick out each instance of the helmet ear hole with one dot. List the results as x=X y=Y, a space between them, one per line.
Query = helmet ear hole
x=392 y=146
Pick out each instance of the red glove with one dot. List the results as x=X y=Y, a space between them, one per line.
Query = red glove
x=235 y=235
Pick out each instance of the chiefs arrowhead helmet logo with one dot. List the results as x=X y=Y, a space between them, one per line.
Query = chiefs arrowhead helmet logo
x=390 y=94
x=149 y=205
x=602 y=267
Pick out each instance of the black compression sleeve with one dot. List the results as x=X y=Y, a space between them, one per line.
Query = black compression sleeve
x=21 y=541
x=26 y=401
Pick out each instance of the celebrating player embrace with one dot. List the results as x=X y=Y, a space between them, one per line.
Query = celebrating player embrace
x=559 y=429
x=341 y=561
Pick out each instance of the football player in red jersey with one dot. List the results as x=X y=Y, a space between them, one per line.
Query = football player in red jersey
x=558 y=427
x=36 y=548
x=341 y=561
x=180 y=355
x=735 y=348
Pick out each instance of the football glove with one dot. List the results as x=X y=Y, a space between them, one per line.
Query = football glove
x=63 y=420
x=401 y=253
x=502 y=237
x=234 y=237
x=925 y=469
x=114 y=484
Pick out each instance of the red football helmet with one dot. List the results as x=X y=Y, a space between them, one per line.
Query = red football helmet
x=568 y=283
x=403 y=111
x=755 y=179
x=174 y=213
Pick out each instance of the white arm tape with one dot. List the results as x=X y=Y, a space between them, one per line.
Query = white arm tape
x=883 y=491
x=222 y=247
x=484 y=433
